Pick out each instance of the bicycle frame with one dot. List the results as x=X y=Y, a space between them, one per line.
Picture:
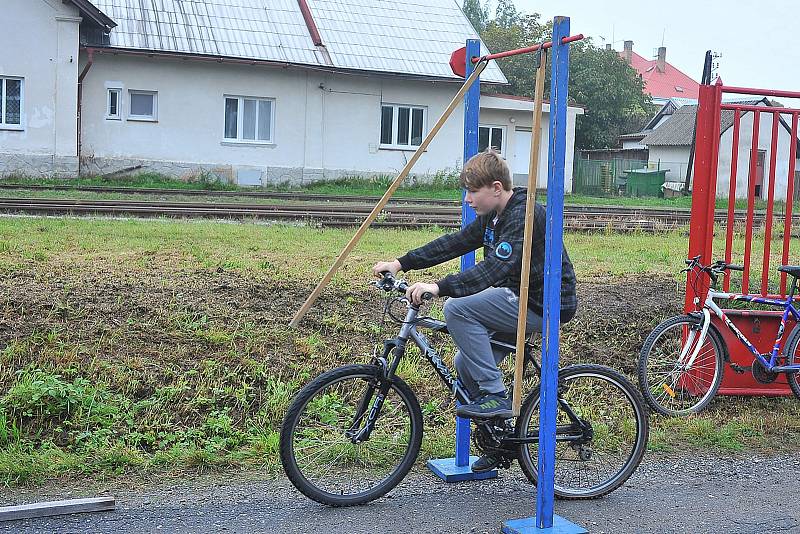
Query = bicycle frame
x=576 y=432
x=709 y=305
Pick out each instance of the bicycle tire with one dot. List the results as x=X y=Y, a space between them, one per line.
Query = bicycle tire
x=400 y=399
x=669 y=390
x=793 y=358
x=618 y=418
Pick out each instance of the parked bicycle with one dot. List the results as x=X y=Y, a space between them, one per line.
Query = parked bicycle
x=681 y=363
x=353 y=433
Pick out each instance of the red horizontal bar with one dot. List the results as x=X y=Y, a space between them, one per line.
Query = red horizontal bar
x=534 y=48
x=762 y=92
x=763 y=109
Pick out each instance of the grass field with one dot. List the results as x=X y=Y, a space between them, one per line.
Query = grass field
x=152 y=346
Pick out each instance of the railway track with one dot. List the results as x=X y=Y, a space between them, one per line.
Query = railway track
x=332 y=211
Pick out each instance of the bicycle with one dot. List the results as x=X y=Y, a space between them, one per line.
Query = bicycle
x=681 y=363
x=353 y=433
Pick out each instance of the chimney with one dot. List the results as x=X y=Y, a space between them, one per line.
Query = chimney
x=661 y=64
x=628 y=52
x=608 y=46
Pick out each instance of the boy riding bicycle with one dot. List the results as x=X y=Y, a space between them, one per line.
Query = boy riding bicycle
x=485 y=298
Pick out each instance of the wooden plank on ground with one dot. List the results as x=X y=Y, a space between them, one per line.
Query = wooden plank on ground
x=44 y=509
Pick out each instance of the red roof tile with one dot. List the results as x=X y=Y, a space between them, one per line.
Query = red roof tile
x=664 y=84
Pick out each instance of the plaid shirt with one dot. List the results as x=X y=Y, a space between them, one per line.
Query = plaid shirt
x=502 y=241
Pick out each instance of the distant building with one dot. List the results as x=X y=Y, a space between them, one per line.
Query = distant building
x=255 y=91
x=671 y=142
x=662 y=81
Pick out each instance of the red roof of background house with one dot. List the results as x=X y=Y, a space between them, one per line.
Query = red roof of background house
x=665 y=84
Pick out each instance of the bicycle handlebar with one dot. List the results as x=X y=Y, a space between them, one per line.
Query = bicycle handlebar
x=389 y=283
x=714 y=270
x=718 y=267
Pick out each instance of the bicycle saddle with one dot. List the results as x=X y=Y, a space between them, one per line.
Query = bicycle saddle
x=792 y=270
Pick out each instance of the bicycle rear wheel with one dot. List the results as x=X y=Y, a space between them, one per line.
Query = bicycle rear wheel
x=671 y=386
x=597 y=453
x=792 y=353
x=320 y=451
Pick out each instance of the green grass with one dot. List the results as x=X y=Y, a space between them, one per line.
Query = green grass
x=154 y=346
x=145 y=180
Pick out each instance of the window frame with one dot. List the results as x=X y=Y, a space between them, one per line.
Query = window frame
x=240 y=120
x=142 y=118
x=118 y=115
x=394 y=145
x=3 y=124
x=504 y=132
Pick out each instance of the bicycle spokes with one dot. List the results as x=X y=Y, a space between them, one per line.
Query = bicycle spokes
x=349 y=437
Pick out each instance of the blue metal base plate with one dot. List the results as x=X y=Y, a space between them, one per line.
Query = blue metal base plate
x=447 y=470
x=528 y=526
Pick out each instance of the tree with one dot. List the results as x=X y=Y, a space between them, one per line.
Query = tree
x=611 y=92
x=506 y=14
x=476 y=14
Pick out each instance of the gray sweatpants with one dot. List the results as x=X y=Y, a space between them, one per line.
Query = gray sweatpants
x=471 y=320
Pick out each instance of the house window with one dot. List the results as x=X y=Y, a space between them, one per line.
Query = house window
x=112 y=104
x=143 y=105
x=11 y=103
x=491 y=136
x=402 y=126
x=249 y=119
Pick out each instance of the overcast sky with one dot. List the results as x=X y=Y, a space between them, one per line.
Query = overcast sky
x=757 y=40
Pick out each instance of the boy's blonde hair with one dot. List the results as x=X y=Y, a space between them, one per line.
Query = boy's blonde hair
x=485 y=168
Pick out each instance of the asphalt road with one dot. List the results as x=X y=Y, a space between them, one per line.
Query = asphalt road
x=742 y=494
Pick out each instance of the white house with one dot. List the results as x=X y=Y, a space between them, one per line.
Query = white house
x=256 y=91
x=670 y=142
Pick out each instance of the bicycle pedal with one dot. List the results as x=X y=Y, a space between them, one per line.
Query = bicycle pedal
x=738 y=369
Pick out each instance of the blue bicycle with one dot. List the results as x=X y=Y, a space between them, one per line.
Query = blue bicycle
x=681 y=362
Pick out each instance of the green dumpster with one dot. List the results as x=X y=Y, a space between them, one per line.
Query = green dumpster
x=645 y=182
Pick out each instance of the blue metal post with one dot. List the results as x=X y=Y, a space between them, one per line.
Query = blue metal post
x=554 y=239
x=471 y=113
x=458 y=468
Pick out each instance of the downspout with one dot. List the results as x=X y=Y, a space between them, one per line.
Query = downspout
x=81 y=76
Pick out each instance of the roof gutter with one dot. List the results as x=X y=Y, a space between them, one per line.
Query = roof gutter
x=81 y=76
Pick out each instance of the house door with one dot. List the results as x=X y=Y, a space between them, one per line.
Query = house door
x=759 y=178
x=522 y=158
x=522 y=153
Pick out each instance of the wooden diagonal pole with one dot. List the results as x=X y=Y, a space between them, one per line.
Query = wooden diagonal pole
x=533 y=176
x=386 y=196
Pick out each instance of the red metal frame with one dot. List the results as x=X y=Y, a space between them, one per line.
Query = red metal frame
x=459 y=57
x=760 y=326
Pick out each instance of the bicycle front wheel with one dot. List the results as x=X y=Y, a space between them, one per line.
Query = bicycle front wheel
x=325 y=449
x=671 y=382
x=602 y=429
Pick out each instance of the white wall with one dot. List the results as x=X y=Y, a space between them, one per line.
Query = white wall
x=674 y=158
x=743 y=157
x=39 y=42
x=322 y=121
x=326 y=125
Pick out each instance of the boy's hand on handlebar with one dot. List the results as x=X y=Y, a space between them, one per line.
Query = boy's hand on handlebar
x=415 y=291
x=382 y=266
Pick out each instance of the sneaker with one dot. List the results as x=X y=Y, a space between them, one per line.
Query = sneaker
x=487 y=407
x=487 y=462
